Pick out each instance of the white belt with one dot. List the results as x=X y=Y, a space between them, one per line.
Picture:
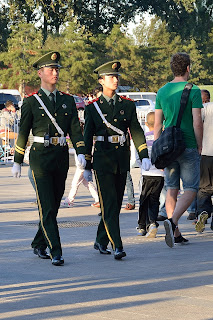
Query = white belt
x=53 y=140
x=112 y=139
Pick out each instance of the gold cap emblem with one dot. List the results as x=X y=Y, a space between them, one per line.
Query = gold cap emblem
x=53 y=56
x=114 y=66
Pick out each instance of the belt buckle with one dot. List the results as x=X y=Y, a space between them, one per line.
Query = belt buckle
x=55 y=141
x=115 y=139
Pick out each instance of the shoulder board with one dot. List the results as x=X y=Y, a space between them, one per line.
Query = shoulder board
x=67 y=94
x=31 y=94
x=94 y=100
x=125 y=98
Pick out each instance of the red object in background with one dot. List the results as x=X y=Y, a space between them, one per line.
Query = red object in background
x=79 y=102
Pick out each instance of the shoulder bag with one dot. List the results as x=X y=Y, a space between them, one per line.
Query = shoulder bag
x=170 y=145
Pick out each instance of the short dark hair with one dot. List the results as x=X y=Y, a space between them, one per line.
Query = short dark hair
x=179 y=63
x=9 y=103
x=97 y=90
x=207 y=93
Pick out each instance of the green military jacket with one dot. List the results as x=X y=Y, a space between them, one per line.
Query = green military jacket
x=34 y=117
x=110 y=157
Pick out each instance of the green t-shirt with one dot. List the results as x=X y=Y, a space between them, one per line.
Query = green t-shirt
x=168 y=99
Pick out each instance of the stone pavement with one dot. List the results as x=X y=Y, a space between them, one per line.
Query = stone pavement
x=153 y=282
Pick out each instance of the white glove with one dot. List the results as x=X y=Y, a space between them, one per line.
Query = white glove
x=81 y=161
x=146 y=164
x=88 y=175
x=16 y=170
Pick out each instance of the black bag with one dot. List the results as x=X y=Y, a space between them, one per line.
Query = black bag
x=170 y=145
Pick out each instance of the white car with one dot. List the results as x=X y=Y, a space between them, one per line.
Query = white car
x=144 y=104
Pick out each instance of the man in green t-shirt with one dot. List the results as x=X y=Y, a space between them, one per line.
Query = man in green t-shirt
x=187 y=166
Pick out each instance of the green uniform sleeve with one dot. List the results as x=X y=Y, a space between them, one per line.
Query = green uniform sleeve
x=89 y=130
x=138 y=134
x=25 y=126
x=75 y=131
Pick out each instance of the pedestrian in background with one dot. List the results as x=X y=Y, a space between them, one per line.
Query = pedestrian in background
x=187 y=166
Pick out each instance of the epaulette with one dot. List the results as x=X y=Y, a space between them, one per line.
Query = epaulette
x=125 y=98
x=61 y=92
x=31 y=94
x=94 y=100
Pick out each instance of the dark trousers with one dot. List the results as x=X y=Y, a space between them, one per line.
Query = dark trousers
x=204 y=202
x=50 y=186
x=149 y=200
x=110 y=190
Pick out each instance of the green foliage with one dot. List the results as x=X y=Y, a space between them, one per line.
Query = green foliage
x=4 y=13
x=89 y=33
x=24 y=44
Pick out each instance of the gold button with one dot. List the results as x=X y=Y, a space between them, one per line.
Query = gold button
x=124 y=119
x=42 y=114
x=33 y=148
x=116 y=147
x=65 y=114
x=115 y=120
x=56 y=134
x=55 y=114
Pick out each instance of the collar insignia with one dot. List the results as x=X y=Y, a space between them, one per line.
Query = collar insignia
x=61 y=94
x=101 y=101
x=119 y=99
x=105 y=114
x=122 y=112
x=64 y=106
x=39 y=94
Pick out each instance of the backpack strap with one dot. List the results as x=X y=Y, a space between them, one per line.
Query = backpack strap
x=183 y=102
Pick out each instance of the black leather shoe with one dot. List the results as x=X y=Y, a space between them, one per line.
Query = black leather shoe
x=57 y=261
x=119 y=253
x=160 y=218
x=102 y=249
x=41 y=253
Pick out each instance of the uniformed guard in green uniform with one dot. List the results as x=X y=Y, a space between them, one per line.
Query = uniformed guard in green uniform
x=111 y=158
x=49 y=157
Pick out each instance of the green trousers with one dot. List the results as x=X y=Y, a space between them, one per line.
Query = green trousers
x=50 y=186
x=111 y=190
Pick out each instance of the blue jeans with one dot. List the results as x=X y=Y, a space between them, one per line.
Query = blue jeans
x=187 y=168
x=30 y=176
x=130 y=189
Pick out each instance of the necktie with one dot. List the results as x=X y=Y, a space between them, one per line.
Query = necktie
x=52 y=99
x=111 y=103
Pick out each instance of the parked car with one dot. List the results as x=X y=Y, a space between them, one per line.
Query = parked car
x=80 y=105
x=10 y=94
x=144 y=104
x=139 y=95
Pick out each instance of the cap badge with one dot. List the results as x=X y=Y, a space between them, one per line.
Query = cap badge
x=122 y=112
x=53 y=56
x=64 y=106
x=114 y=66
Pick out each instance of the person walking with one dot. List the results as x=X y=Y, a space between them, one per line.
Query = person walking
x=187 y=165
x=152 y=185
x=205 y=192
x=107 y=121
x=52 y=115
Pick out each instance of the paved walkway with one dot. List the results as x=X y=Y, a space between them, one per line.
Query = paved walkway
x=153 y=282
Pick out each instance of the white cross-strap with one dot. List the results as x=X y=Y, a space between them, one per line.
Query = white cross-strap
x=60 y=131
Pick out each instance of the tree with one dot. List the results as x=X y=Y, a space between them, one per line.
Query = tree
x=4 y=17
x=24 y=45
x=77 y=59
